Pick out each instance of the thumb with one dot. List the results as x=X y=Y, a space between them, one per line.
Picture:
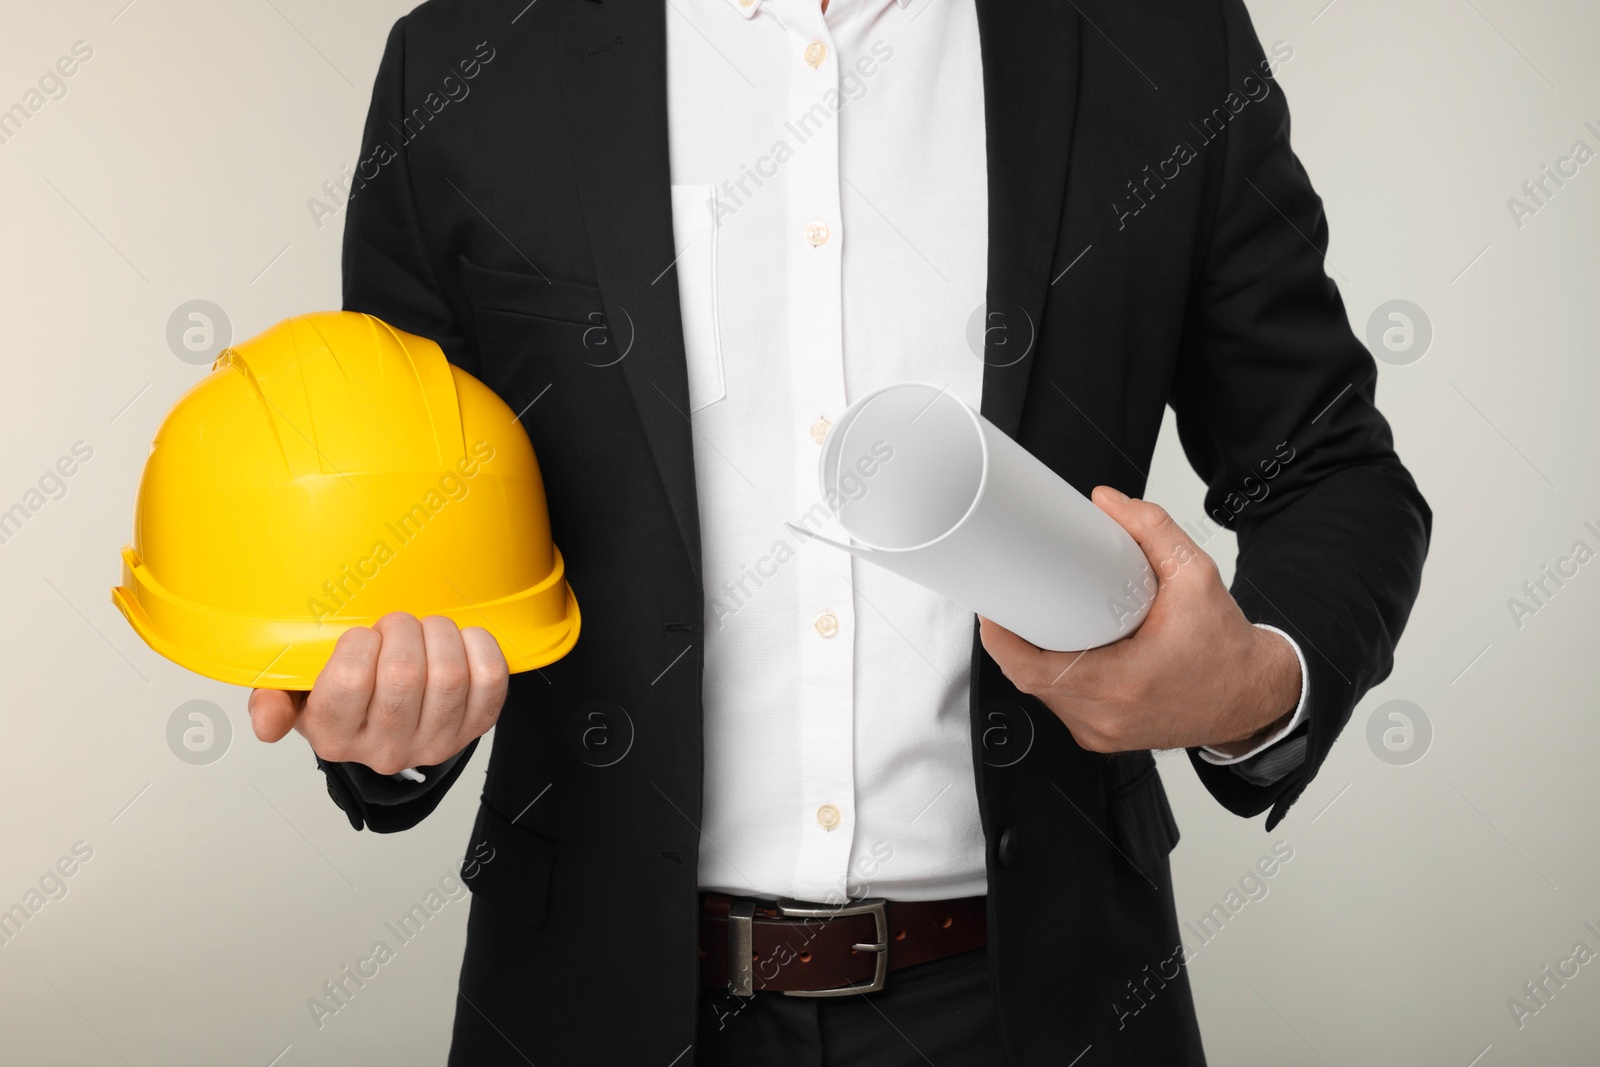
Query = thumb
x=273 y=712
x=1163 y=541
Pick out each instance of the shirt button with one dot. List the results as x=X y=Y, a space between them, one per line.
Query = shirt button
x=828 y=816
x=819 y=429
x=816 y=233
x=816 y=52
x=827 y=624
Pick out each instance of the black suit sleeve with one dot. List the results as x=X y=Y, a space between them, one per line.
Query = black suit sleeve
x=1275 y=404
x=389 y=273
x=384 y=805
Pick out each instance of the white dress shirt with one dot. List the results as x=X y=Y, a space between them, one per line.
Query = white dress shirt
x=830 y=214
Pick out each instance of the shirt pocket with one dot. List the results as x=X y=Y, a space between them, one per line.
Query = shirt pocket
x=694 y=232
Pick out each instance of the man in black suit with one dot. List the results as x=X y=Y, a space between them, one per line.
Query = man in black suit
x=1205 y=291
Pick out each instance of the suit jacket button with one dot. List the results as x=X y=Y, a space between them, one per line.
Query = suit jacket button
x=1008 y=846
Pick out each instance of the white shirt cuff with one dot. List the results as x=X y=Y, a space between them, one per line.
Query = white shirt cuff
x=1220 y=759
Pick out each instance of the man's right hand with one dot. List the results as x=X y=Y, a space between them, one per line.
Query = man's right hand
x=402 y=693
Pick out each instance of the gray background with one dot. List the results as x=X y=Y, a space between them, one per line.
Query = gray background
x=220 y=897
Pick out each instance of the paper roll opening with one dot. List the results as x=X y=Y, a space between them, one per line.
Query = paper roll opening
x=924 y=486
x=907 y=466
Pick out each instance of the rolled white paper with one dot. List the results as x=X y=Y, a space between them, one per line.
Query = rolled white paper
x=928 y=488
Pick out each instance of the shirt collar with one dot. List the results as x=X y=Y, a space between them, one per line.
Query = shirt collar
x=748 y=8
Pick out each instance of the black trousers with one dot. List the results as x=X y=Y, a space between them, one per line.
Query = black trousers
x=941 y=1012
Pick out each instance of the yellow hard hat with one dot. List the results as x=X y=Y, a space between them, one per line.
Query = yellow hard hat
x=328 y=472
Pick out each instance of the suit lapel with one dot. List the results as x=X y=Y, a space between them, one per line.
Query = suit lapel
x=1030 y=87
x=614 y=77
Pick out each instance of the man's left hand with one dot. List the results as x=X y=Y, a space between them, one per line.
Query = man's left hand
x=1195 y=673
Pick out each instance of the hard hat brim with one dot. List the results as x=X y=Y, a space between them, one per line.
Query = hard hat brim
x=533 y=628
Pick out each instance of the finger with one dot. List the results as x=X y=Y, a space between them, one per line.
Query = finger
x=273 y=712
x=402 y=676
x=337 y=705
x=486 y=694
x=444 y=698
x=1056 y=678
x=1029 y=667
x=1011 y=652
x=1168 y=549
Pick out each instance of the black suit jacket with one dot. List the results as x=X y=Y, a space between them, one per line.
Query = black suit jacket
x=509 y=221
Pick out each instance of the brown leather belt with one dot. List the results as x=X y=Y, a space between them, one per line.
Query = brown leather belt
x=822 y=950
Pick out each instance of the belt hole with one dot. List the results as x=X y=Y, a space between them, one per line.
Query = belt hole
x=946 y=924
x=899 y=935
x=805 y=957
x=754 y=956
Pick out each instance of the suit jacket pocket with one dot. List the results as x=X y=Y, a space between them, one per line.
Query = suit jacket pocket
x=533 y=330
x=528 y=293
x=1142 y=824
x=509 y=866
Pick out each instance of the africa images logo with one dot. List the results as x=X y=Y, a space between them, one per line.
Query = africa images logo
x=343 y=588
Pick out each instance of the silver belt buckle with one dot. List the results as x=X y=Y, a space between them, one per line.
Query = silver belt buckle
x=877 y=907
x=741 y=943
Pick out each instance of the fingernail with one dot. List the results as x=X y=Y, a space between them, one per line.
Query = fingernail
x=1115 y=494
